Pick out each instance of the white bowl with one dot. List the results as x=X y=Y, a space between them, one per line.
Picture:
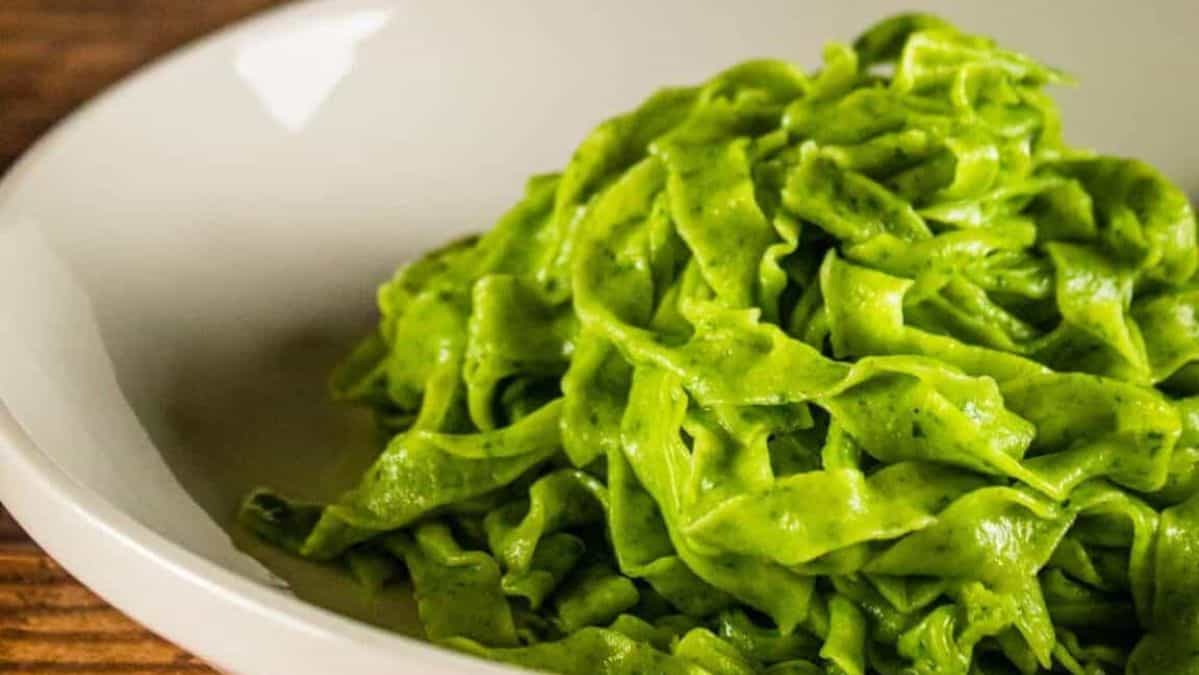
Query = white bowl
x=182 y=260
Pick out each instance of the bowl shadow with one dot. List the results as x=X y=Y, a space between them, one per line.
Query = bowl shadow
x=234 y=420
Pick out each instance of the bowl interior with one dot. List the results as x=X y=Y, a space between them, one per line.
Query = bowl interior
x=183 y=262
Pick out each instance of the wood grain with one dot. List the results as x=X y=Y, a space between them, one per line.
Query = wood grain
x=49 y=623
x=54 y=55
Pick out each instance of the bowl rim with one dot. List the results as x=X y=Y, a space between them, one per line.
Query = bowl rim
x=104 y=547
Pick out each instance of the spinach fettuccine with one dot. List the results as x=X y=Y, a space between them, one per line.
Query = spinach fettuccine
x=859 y=371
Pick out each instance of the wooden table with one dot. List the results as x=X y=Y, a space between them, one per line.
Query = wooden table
x=54 y=55
x=49 y=623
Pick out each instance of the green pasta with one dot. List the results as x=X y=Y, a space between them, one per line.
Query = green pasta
x=864 y=371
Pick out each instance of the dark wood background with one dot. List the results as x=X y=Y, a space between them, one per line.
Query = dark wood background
x=49 y=623
x=54 y=55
